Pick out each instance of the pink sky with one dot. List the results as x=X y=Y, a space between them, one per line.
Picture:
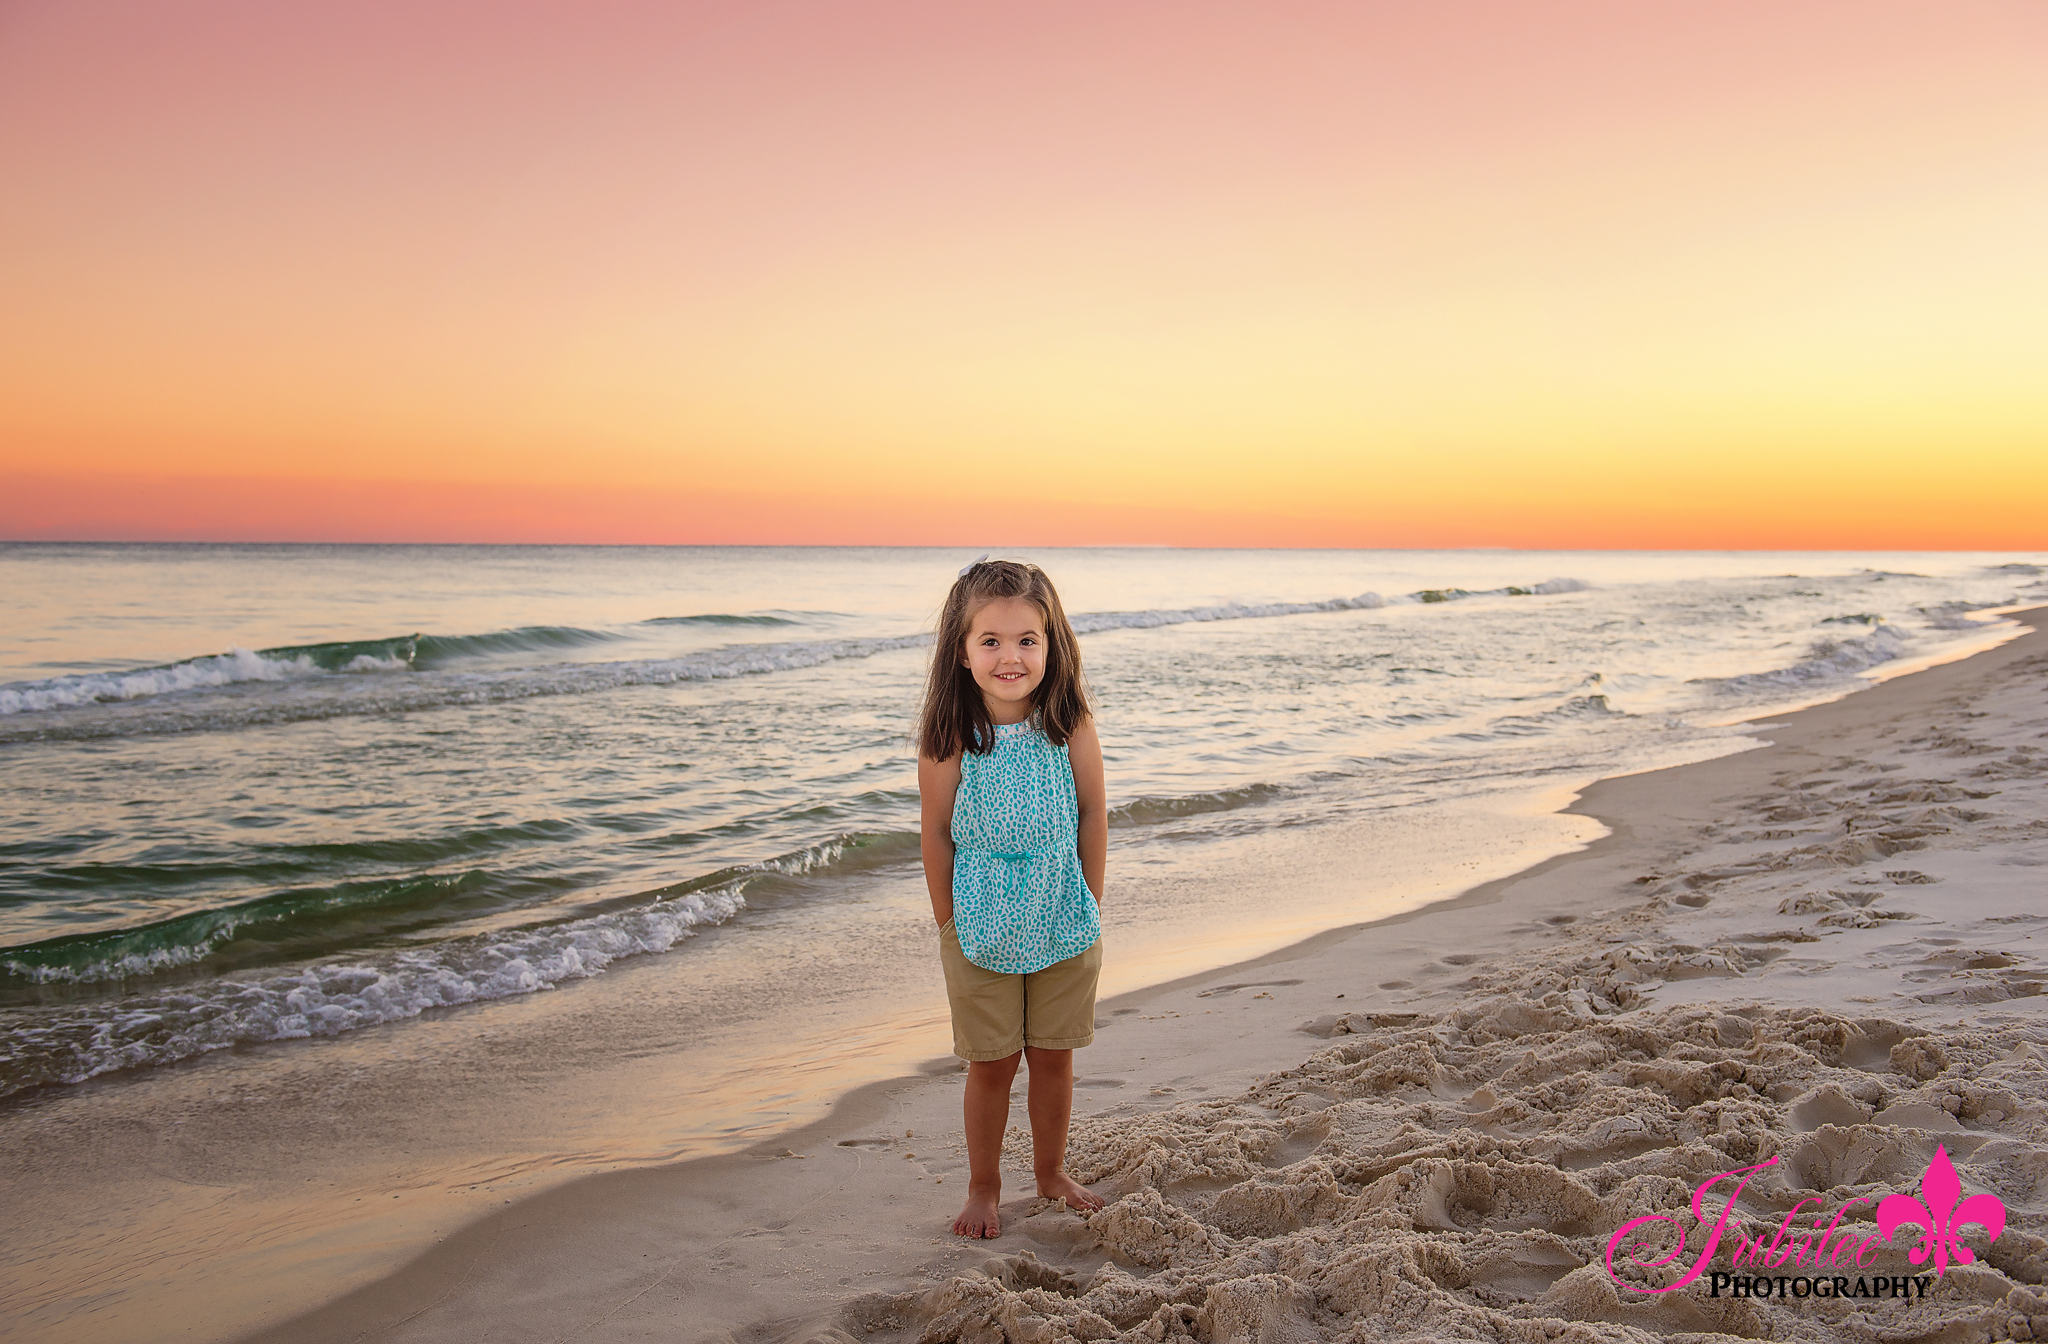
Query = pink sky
x=1623 y=274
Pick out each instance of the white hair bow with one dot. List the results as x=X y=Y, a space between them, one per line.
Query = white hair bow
x=971 y=565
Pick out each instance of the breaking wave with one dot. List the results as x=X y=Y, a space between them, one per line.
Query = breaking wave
x=282 y=925
x=306 y=922
x=1828 y=660
x=73 y=1043
x=294 y=662
x=226 y=669
x=70 y=1042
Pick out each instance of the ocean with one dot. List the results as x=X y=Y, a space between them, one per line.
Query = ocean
x=278 y=795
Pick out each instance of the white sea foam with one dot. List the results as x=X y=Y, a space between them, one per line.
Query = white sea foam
x=1828 y=660
x=73 y=1044
x=235 y=666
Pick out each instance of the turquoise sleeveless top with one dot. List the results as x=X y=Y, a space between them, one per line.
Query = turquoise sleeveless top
x=1019 y=900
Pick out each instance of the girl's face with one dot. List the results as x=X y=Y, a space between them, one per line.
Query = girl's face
x=1006 y=655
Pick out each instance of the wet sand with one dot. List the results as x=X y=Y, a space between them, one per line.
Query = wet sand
x=1822 y=951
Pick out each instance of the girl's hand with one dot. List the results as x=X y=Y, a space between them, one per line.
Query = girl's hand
x=1091 y=796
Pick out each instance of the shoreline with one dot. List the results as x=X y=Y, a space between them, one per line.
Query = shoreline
x=605 y=1248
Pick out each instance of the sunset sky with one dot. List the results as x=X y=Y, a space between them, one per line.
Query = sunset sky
x=1517 y=273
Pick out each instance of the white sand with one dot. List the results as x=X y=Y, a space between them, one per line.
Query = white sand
x=1820 y=951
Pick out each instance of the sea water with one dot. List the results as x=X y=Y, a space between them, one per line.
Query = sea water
x=271 y=793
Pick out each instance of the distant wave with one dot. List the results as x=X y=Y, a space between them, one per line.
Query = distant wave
x=722 y=618
x=1548 y=586
x=336 y=696
x=436 y=650
x=226 y=669
x=1147 y=810
x=327 y=680
x=1088 y=623
x=1828 y=660
x=1956 y=615
x=398 y=653
x=1578 y=709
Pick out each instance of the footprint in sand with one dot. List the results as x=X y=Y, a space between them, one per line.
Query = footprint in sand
x=1246 y=984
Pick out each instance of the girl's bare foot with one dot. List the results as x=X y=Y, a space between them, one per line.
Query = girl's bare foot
x=1062 y=1186
x=979 y=1219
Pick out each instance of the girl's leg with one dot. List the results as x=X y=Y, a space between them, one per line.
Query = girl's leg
x=987 y=1107
x=1051 y=1103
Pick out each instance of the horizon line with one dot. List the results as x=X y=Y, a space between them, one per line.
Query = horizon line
x=1022 y=546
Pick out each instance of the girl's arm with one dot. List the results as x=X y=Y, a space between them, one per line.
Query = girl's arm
x=938 y=784
x=1084 y=751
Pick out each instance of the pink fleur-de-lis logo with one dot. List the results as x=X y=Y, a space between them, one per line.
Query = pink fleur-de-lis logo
x=1941 y=1216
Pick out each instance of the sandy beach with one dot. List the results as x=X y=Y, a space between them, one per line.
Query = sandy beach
x=1432 y=1126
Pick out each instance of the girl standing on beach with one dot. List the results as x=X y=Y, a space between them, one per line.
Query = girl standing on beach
x=1016 y=832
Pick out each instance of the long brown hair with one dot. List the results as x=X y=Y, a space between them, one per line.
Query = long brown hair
x=955 y=717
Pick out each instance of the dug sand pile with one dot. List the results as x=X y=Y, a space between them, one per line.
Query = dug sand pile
x=1462 y=1178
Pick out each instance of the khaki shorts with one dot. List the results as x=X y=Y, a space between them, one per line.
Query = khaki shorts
x=996 y=1015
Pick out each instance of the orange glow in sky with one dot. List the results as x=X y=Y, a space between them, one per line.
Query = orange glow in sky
x=1513 y=272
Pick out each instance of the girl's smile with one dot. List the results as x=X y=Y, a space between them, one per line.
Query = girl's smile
x=1006 y=656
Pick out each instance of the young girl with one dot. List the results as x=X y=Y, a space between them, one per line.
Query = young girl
x=1016 y=829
